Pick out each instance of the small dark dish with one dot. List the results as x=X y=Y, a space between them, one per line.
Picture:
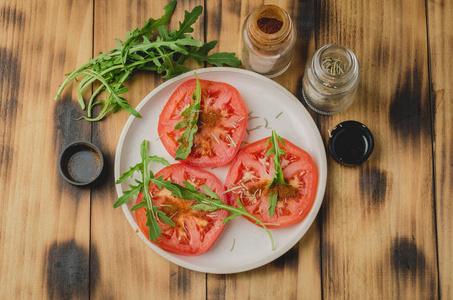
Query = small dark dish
x=81 y=163
x=351 y=143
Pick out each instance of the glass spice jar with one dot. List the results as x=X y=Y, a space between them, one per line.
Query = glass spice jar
x=268 y=39
x=331 y=77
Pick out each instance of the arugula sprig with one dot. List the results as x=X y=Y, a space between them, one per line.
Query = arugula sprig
x=151 y=48
x=152 y=212
x=278 y=174
x=207 y=201
x=190 y=124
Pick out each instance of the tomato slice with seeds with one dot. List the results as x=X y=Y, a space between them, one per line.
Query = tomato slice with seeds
x=195 y=231
x=222 y=122
x=251 y=172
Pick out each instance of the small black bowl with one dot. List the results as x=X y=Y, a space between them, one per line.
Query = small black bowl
x=351 y=143
x=81 y=163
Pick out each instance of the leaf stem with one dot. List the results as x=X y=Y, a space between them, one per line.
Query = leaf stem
x=246 y=214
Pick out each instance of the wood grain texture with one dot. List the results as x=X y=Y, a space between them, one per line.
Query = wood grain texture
x=375 y=236
x=378 y=234
x=132 y=270
x=440 y=45
x=44 y=226
x=295 y=275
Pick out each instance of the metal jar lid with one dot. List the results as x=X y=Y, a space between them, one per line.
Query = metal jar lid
x=351 y=143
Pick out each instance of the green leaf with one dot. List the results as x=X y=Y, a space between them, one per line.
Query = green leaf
x=204 y=206
x=199 y=55
x=159 y=160
x=161 y=183
x=229 y=218
x=186 y=139
x=127 y=196
x=210 y=192
x=217 y=59
x=130 y=110
x=164 y=33
x=183 y=123
x=164 y=218
x=224 y=58
x=138 y=205
x=189 y=186
x=272 y=203
x=154 y=229
x=144 y=151
x=152 y=25
x=129 y=173
x=189 y=19
x=142 y=187
x=278 y=173
x=240 y=203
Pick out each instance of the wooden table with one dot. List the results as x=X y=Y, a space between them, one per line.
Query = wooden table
x=385 y=229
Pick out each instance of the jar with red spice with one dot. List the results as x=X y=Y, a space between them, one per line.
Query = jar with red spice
x=268 y=39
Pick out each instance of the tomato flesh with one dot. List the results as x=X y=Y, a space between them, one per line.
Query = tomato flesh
x=195 y=231
x=222 y=122
x=251 y=173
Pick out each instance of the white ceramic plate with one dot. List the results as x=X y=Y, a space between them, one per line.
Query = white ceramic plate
x=265 y=99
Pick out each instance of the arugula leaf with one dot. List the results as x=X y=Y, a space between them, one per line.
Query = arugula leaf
x=200 y=54
x=272 y=203
x=138 y=205
x=147 y=29
x=154 y=229
x=152 y=25
x=142 y=49
x=190 y=124
x=164 y=218
x=152 y=212
x=278 y=174
x=217 y=59
x=189 y=20
x=209 y=201
x=129 y=173
x=134 y=190
x=210 y=192
x=203 y=206
x=165 y=184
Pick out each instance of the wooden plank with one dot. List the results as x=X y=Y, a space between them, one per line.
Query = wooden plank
x=44 y=226
x=132 y=270
x=440 y=42
x=378 y=231
x=297 y=273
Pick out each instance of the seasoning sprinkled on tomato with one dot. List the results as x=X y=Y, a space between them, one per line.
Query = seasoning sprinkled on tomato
x=251 y=173
x=222 y=122
x=195 y=231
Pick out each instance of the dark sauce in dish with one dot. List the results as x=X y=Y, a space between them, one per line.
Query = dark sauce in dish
x=81 y=163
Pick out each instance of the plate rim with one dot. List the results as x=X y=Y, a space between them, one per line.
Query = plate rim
x=310 y=218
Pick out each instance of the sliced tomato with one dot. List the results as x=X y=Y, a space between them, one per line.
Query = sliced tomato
x=250 y=175
x=195 y=231
x=221 y=124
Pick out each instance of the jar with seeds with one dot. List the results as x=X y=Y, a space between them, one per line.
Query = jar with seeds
x=331 y=77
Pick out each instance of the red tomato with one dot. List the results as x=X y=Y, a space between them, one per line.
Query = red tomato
x=221 y=124
x=251 y=172
x=195 y=231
